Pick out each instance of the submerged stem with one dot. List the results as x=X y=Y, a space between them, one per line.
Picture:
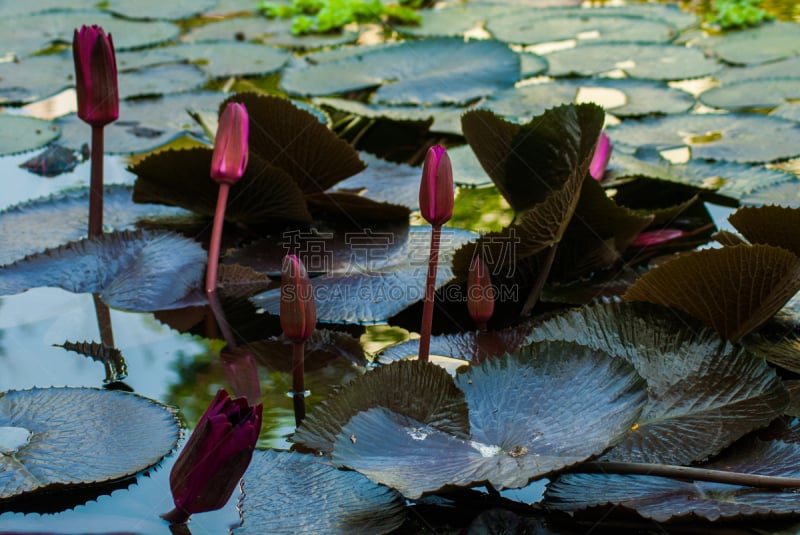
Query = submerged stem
x=298 y=382
x=430 y=294
x=96 y=184
x=216 y=238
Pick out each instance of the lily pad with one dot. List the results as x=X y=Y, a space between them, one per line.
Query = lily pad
x=66 y=426
x=286 y=493
x=768 y=42
x=732 y=137
x=138 y=271
x=532 y=413
x=532 y=64
x=51 y=221
x=385 y=181
x=20 y=134
x=753 y=94
x=35 y=78
x=429 y=72
x=534 y=26
x=224 y=59
x=12 y=7
x=770 y=225
x=789 y=67
x=733 y=289
x=446 y=119
x=453 y=20
x=651 y=62
x=160 y=80
x=703 y=394
x=158 y=9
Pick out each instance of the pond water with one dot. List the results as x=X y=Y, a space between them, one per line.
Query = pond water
x=182 y=370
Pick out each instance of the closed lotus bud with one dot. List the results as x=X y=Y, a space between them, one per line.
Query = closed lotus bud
x=298 y=312
x=95 y=76
x=230 y=146
x=215 y=457
x=436 y=189
x=651 y=238
x=602 y=153
x=480 y=293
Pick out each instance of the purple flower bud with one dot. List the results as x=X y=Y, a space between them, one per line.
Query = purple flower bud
x=436 y=188
x=95 y=76
x=480 y=294
x=651 y=238
x=298 y=311
x=602 y=153
x=216 y=455
x=230 y=146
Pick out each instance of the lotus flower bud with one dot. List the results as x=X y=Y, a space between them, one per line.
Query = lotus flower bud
x=602 y=153
x=651 y=238
x=95 y=76
x=298 y=312
x=436 y=188
x=480 y=293
x=215 y=457
x=230 y=146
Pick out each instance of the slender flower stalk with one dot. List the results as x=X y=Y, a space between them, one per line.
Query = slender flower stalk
x=602 y=154
x=228 y=164
x=98 y=104
x=480 y=293
x=215 y=457
x=436 y=201
x=298 y=316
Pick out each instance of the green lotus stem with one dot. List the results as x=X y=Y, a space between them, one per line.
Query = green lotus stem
x=298 y=382
x=96 y=184
x=538 y=285
x=216 y=238
x=430 y=294
x=687 y=472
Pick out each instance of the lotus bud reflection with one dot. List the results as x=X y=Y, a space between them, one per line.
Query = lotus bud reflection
x=652 y=238
x=602 y=154
x=95 y=76
x=215 y=457
x=480 y=294
x=230 y=146
x=436 y=189
x=298 y=312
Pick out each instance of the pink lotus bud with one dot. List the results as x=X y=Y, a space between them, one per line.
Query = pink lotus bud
x=215 y=457
x=602 y=153
x=230 y=146
x=298 y=312
x=480 y=293
x=436 y=189
x=656 y=237
x=95 y=76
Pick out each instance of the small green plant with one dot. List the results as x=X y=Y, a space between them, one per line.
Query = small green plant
x=324 y=16
x=737 y=13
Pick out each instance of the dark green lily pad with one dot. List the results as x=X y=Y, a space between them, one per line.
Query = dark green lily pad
x=446 y=119
x=224 y=59
x=385 y=181
x=776 y=69
x=652 y=62
x=532 y=413
x=66 y=426
x=138 y=59
x=378 y=282
x=160 y=80
x=733 y=289
x=145 y=124
x=732 y=137
x=753 y=94
x=35 y=78
x=532 y=64
x=158 y=9
x=429 y=72
x=768 y=42
x=269 y=31
x=20 y=134
x=27 y=34
x=535 y=26
x=467 y=170
x=48 y=222
x=771 y=225
x=422 y=390
x=703 y=394
x=453 y=20
x=286 y=493
x=138 y=271
x=639 y=98
x=322 y=347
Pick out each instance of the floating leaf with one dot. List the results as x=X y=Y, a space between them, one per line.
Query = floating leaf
x=286 y=493
x=455 y=19
x=160 y=80
x=221 y=59
x=385 y=181
x=19 y=134
x=774 y=69
x=51 y=221
x=321 y=347
x=446 y=119
x=429 y=72
x=421 y=390
x=703 y=394
x=110 y=357
x=731 y=137
x=768 y=42
x=54 y=160
x=158 y=9
x=532 y=413
x=140 y=271
x=35 y=78
x=749 y=95
x=771 y=225
x=122 y=433
x=532 y=64
x=733 y=290
x=652 y=62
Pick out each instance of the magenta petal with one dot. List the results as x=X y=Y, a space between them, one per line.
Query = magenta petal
x=436 y=197
x=229 y=160
x=602 y=154
x=656 y=237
